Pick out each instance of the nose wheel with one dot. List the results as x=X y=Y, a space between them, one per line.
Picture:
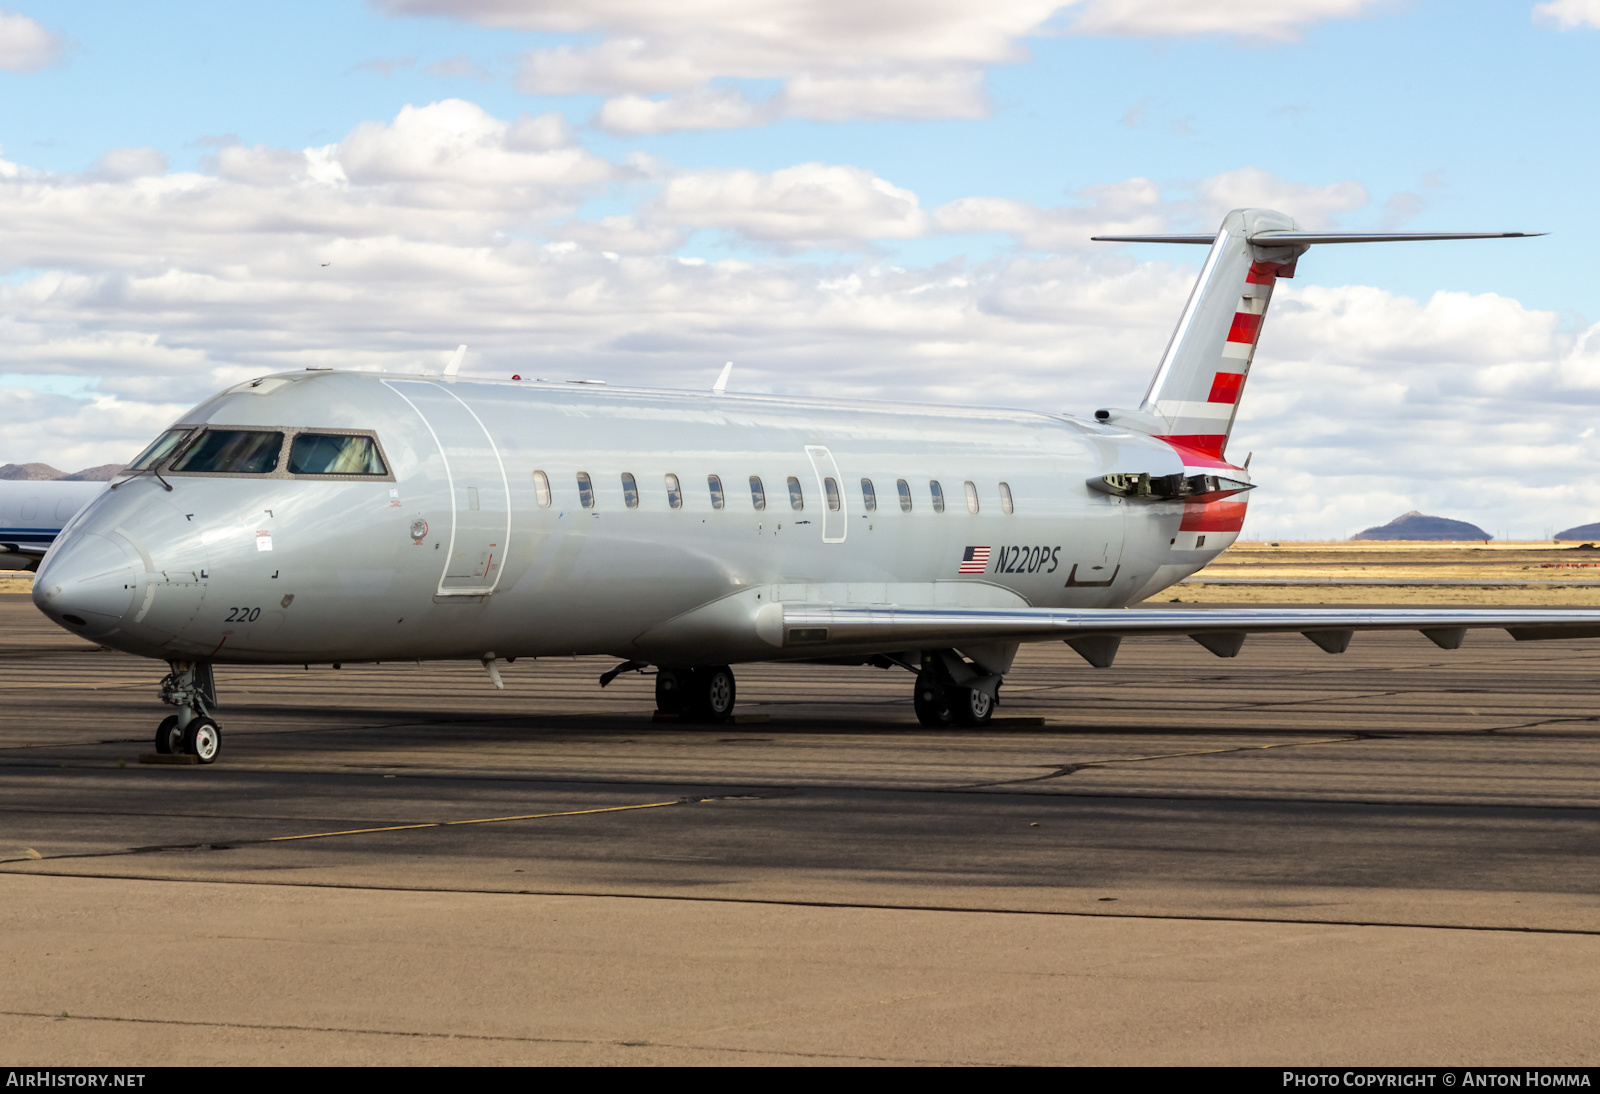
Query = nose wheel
x=191 y=688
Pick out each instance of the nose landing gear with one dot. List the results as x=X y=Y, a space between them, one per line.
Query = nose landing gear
x=191 y=688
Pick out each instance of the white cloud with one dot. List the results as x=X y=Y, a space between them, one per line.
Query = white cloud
x=1313 y=206
x=1568 y=14
x=810 y=205
x=25 y=46
x=1280 y=20
x=706 y=108
x=129 y=163
x=456 y=141
x=837 y=59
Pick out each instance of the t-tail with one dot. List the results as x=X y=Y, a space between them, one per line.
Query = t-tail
x=1195 y=395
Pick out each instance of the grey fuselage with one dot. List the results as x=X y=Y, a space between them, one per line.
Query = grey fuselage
x=284 y=568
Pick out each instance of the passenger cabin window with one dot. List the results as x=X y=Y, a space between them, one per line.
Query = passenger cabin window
x=937 y=492
x=797 y=500
x=630 y=491
x=831 y=489
x=541 y=489
x=674 y=492
x=332 y=454
x=585 y=490
x=160 y=449
x=972 y=497
x=905 y=494
x=758 y=493
x=869 y=496
x=233 y=452
x=1005 y=498
x=714 y=484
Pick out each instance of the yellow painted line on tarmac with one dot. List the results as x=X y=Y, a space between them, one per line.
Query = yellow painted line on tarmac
x=481 y=820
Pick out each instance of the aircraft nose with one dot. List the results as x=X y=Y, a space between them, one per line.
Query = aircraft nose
x=89 y=585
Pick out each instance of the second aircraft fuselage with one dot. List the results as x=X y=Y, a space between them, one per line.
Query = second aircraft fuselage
x=535 y=519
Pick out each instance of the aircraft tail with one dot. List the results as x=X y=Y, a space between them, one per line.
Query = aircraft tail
x=1195 y=394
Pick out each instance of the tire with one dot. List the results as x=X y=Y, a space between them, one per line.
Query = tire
x=671 y=689
x=169 y=738
x=970 y=706
x=203 y=738
x=714 y=693
x=932 y=704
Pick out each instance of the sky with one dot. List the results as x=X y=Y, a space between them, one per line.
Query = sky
x=889 y=200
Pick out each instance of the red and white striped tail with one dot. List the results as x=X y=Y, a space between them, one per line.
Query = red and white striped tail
x=1196 y=390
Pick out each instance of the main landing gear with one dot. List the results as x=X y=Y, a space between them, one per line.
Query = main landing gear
x=702 y=693
x=191 y=688
x=950 y=692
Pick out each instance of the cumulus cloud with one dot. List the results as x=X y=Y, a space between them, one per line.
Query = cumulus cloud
x=810 y=205
x=837 y=59
x=1281 y=20
x=130 y=163
x=25 y=46
x=1568 y=14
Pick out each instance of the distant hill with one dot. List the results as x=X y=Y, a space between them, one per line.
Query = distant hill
x=1415 y=525
x=103 y=473
x=43 y=472
x=31 y=472
x=1582 y=531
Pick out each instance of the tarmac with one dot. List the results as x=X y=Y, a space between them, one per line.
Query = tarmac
x=1384 y=857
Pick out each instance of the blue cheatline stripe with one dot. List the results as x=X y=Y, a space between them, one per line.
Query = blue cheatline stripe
x=52 y=532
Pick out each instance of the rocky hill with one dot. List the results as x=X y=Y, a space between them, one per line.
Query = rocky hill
x=43 y=472
x=1415 y=525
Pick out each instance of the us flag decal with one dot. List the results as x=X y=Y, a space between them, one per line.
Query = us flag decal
x=975 y=560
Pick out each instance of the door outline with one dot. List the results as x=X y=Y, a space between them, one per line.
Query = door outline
x=822 y=462
x=450 y=485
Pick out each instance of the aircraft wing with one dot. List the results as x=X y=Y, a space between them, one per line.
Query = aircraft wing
x=1222 y=630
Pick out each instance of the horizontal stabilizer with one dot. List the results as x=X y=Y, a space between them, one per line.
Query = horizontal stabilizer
x=1283 y=238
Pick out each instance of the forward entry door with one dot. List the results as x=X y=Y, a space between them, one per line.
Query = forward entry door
x=480 y=501
x=830 y=489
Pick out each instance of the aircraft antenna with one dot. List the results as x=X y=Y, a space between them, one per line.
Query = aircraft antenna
x=721 y=385
x=456 y=358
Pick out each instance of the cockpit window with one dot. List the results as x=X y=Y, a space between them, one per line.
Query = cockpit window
x=332 y=454
x=159 y=450
x=233 y=451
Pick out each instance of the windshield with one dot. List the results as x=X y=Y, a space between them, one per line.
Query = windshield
x=233 y=451
x=159 y=450
x=331 y=454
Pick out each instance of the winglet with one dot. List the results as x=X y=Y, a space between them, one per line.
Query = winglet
x=722 y=381
x=454 y=366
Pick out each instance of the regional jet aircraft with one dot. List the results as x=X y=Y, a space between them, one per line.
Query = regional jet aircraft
x=348 y=516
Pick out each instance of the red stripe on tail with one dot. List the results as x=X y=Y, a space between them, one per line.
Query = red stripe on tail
x=1213 y=516
x=1225 y=387
x=1245 y=327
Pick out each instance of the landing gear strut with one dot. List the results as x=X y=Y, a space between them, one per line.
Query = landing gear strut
x=951 y=692
x=192 y=689
x=703 y=693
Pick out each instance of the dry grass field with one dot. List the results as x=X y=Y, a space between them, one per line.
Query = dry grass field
x=1512 y=574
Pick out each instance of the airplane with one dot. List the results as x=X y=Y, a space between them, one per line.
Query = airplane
x=339 y=516
x=32 y=514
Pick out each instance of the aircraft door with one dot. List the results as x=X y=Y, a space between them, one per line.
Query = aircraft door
x=830 y=492
x=1097 y=537
x=480 y=501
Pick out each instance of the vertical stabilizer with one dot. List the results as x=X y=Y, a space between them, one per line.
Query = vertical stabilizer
x=1196 y=390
